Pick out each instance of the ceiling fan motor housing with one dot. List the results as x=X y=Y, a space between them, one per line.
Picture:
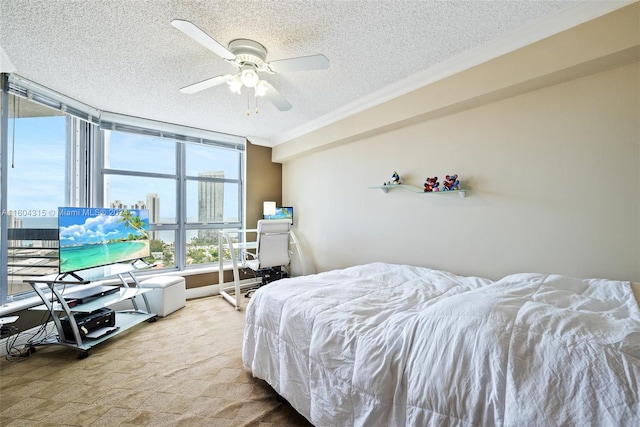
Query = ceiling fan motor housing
x=248 y=52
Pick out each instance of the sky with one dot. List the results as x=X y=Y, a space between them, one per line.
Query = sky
x=36 y=166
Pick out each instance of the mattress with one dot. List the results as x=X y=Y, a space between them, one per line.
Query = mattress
x=396 y=345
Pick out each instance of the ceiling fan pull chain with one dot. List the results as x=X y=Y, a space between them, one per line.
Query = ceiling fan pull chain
x=256 y=98
x=248 y=107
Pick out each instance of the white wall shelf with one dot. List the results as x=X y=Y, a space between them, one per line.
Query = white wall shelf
x=386 y=188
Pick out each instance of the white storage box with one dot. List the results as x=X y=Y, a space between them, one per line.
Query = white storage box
x=168 y=294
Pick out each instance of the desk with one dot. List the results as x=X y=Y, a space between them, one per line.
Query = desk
x=226 y=241
x=47 y=288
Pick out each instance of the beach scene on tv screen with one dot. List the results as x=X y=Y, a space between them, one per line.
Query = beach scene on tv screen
x=91 y=237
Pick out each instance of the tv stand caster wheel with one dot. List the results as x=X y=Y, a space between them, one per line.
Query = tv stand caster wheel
x=83 y=354
x=31 y=349
x=153 y=319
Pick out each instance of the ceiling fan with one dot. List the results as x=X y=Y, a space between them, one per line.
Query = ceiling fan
x=250 y=58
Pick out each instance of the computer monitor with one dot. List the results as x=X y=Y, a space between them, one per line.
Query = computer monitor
x=282 y=213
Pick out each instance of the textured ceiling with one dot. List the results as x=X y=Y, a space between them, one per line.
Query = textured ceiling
x=124 y=56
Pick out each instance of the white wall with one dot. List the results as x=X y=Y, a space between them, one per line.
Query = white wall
x=554 y=176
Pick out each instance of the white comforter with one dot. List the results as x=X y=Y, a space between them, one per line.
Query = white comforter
x=392 y=345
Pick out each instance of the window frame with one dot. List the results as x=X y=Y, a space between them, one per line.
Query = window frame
x=182 y=226
x=85 y=169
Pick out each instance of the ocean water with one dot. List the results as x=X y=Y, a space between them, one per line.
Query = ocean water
x=74 y=258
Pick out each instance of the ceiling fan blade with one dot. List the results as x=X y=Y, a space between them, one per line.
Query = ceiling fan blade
x=276 y=98
x=206 y=84
x=203 y=38
x=302 y=63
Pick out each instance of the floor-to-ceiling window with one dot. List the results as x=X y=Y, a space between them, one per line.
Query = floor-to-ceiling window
x=57 y=152
x=36 y=177
x=141 y=171
x=191 y=189
x=212 y=198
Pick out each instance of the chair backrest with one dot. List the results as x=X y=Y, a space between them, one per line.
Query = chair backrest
x=273 y=242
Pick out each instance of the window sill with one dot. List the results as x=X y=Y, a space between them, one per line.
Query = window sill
x=23 y=304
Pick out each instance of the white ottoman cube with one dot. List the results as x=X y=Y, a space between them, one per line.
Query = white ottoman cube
x=168 y=294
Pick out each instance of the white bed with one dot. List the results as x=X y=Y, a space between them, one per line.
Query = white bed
x=396 y=345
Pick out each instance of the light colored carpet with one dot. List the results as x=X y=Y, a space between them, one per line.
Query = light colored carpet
x=183 y=370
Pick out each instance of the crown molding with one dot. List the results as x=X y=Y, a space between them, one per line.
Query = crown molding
x=575 y=15
x=256 y=140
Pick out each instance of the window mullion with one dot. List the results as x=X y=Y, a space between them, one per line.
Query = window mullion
x=181 y=204
x=4 y=147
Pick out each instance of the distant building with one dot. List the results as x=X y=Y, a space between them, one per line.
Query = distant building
x=210 y=201
x=117 y=204
x=139 y=205
x=13 y=222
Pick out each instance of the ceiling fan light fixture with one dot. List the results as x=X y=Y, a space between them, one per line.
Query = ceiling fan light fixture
x=249 y=77
x=261 y=88
x=235 y=84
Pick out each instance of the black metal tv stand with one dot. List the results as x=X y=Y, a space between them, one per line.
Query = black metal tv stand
x=48 y=289
x=79 y=279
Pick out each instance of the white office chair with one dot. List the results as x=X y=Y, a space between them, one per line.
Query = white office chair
x=272 y=255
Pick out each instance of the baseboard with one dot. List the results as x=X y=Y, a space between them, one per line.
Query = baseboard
x=211 y=290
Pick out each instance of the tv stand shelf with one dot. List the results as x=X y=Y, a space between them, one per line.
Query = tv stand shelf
x=53 y=300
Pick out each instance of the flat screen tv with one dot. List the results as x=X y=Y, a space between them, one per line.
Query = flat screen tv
x=93 y=237
x=282 y=213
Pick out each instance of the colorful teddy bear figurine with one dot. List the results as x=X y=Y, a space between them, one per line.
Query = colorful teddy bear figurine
x=451 y=183
x=432 y=184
